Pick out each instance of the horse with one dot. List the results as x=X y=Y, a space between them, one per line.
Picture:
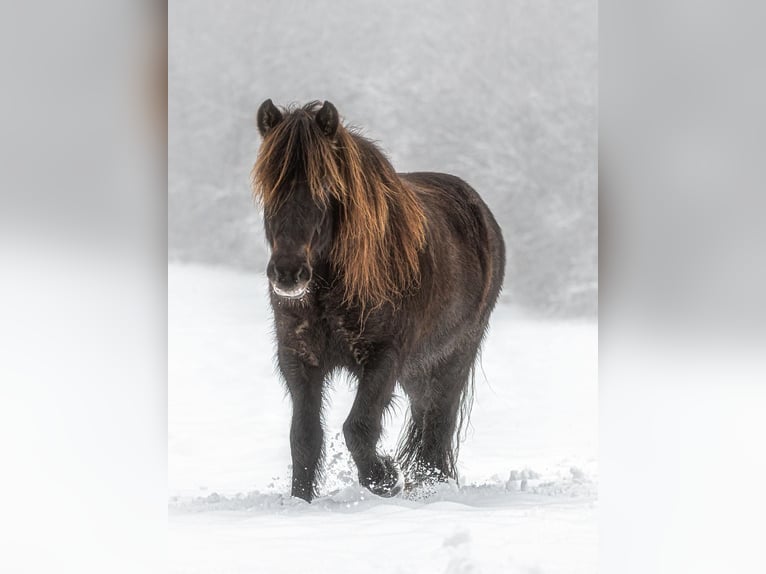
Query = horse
x=389 y=277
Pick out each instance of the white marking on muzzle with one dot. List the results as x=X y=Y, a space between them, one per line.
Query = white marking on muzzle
x=296 y=293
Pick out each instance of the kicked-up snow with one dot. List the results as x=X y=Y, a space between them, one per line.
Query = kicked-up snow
x=527 y=500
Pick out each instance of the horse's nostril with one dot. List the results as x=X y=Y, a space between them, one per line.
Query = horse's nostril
x=288 y=272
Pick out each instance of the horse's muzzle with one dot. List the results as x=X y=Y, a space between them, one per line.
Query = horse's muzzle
x=295 y=292
x=289 y=278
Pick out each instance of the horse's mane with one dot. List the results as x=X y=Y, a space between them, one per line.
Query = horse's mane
x=382 y=224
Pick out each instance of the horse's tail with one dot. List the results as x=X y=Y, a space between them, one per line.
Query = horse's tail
x=464 y=415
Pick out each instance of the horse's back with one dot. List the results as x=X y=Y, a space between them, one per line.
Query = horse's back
x=448 y=196
x=465 y=245
x=456 y=198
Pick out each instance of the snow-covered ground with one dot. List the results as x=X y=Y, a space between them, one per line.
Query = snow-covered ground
x=528 y=495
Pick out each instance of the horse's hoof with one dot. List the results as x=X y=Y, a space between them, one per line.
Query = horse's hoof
x=388 y=480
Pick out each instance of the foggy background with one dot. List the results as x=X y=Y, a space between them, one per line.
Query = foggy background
x=501 y=94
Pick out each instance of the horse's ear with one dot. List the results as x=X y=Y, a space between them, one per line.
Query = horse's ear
x=327 y=118
x=268 y=117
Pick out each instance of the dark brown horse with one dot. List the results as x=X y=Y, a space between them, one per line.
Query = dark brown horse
x=389 y=276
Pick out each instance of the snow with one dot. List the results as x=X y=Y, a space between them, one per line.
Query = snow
x=527 y=500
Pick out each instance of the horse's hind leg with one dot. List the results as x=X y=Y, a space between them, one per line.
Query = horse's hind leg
x=428 y=448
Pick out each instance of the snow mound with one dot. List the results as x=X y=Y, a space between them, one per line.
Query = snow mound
x=351 y=497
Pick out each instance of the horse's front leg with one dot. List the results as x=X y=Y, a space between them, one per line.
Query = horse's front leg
x=305 y=383
x=364 y=425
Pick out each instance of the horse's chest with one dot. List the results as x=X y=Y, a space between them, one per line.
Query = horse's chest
x=298 y=337
x=348 y=339
x=332 y=338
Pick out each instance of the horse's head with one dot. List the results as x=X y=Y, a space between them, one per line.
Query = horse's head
x=298 y=219
x=299 y=231
x=330 y=195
